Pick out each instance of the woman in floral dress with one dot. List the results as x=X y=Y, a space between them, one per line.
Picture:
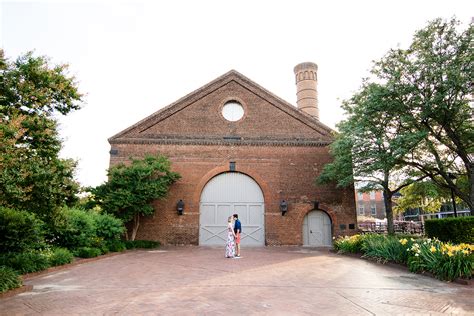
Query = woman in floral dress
x=230 y=245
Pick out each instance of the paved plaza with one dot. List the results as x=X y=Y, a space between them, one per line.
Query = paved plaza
x=266 y=281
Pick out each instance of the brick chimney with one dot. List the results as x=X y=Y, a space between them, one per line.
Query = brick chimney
x=306 y=75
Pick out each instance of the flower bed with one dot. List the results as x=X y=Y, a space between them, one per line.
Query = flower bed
x=445 y=261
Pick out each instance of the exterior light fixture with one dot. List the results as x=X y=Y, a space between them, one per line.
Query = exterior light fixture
x=283 y=207
x=180 y=207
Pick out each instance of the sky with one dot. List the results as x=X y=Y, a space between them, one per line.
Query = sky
x=132 y=58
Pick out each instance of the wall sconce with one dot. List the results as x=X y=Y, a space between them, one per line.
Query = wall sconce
x=283 y=207
x=180 y=207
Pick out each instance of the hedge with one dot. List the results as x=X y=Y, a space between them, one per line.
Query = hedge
x=451 y=229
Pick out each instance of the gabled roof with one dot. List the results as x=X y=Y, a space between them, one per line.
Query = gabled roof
x=212 y=86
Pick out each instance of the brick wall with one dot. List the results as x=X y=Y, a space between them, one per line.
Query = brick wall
x=281 y=148
x=282 y=173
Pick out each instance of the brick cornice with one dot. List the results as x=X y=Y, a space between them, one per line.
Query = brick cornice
x=230 y=141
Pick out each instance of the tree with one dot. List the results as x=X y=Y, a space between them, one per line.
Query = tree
x=370 y=147
x=131 y=189
x=32 y=176
x=432 y=81
x=422 y=195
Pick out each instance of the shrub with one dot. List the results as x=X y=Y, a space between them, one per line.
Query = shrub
x=19 y=231
x=445 y=260
x=26 y=262
x=9 y=279
x=385 y=248
x=116 y=245
x=77 y=230
x=351 y=244
x=60 y=256
x=131 y=244
x=451 y=229
x=108 y=227
x=87 y=252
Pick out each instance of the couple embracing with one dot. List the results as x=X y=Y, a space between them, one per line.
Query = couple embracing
x=234 y=228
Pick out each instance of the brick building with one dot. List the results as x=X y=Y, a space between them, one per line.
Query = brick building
x=241 y=149
x=370 y=204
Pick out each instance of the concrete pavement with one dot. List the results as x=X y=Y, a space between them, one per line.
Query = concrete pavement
x=266 y=281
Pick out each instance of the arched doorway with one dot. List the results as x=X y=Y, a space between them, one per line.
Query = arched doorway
x=317 y=229
x=226 y=194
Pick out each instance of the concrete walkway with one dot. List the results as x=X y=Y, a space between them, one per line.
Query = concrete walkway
x=266 y=281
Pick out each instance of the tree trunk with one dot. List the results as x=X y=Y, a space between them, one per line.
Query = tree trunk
x=387 y=200
x=470 y=176
x=136 y=224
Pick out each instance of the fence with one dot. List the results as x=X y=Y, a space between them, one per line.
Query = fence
x=398 y=226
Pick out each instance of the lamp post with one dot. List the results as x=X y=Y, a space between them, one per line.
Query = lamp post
x=453 y=177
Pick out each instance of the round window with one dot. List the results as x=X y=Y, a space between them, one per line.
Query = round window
x=233 y=111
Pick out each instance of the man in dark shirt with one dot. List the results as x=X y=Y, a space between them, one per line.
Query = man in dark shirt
x=237 y=231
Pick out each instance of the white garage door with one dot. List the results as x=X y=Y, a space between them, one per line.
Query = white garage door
x=226 y=194
x=317 y=229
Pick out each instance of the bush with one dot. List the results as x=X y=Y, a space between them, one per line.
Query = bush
x=116 y=245
x=60 y=256
x=26 y=262
x=451 y=229
x=9 y=279
x=77 y=230
x=385 y=248
x=108 y=227
x=351 y=244
x=19 y=231
x=445 y=260
x=87 y=252
x=131 y=244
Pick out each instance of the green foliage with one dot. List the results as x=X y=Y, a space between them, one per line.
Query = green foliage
x=131 y=189
x=32 y=176
x=413 y=119
x=60 y=256
x=349 y=244
x=80 y=228
x=87 y=252
x=77 y=230
x=116 y=245
x=432 y=80
x=444 y=260
x=424 y=195
x=9 y=279
x=107 y=226
x=385 y=248
x=132 y=244
x=19 y=231
x=26 y=262
x=452 y=229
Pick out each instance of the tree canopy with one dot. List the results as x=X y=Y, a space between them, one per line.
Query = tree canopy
x=413 y=119
x=132 y=188
x=32 y=176
x=432 y=84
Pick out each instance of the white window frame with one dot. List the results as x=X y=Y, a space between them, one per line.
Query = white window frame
x=373 y=209
x=361 y=210
x=372 y=195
